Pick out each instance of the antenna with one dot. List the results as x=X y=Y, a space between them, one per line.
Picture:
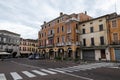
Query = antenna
x=116 y=6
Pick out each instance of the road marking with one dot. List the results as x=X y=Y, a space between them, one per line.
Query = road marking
x=48 y=71
x=85 y=78
x=115 y=67
x=72 y=69
x=64 y=70
x=56 y=70
x=16 y=76
x=39 y=72
x=26 y=65
x=28 y=74
x=2 y=77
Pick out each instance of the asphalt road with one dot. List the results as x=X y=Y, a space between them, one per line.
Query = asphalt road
x=25 y=69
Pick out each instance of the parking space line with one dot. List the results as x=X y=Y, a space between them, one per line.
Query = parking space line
x=28 y=74
x=16 y=76
x=2 y=77
x=51 y=72
x=39 y=72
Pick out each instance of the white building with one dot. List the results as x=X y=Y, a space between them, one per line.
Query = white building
x=9 y=42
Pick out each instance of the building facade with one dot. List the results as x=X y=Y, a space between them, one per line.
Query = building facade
x=9 y=42
x=96 y=37
x=80 y=36
x=94 y=40
x=60 y=37
x=114 y=37
x=28 y=46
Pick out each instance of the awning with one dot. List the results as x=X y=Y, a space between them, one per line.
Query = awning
x=4 y=53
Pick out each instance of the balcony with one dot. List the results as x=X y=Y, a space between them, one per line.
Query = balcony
x=92 y=44
x=94 y=47
x=68 y=43
x=115 y=43
x=77 y=43
x=50 y=35
x=77 y=31
x=42 y=46
x=60 y=44
x=50 y=45
x=68 y=32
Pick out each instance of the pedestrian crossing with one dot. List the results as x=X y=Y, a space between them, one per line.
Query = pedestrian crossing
x=2 y=76
x=85 y=67
x=50 y=71
x=39 y=72
x=16 y=76
x=28 y=74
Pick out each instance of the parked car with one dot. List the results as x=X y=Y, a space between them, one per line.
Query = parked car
x=31 y=57
x=37 y=56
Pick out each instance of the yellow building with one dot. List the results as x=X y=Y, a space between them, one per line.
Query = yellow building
x=80 y=36
x=28 y=46
x=114 y=37
x=60 y=36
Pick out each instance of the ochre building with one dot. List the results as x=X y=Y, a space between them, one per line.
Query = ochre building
x=114 y=37
x=60 y=36
x=28 y=46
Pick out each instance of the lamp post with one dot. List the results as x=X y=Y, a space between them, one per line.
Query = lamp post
x=55 y=51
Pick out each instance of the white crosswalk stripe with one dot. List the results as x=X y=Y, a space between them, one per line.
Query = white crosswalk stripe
x=16 y=76
x=28 y=74
x=39 y=72
x=51 y=72
x=56 y=70
x=64 y=70
x=2 y=76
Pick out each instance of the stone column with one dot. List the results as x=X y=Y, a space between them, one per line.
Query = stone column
x=73 y=52
x=81 y=55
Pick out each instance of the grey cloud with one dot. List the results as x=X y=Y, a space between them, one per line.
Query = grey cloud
x=32 y=13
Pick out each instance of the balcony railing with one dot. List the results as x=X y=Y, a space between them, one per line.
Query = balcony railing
x=77 y=43
x=68 y=32
x=77 y=31
x=115 y=43
x=60 y=44
x=42 y=46
x=50 y=35
x=68 y=43
x=92 y=44
x=50 y=45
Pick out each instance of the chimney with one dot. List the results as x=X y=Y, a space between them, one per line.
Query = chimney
x=44 y=22
x=61 y=13
x=85 y=12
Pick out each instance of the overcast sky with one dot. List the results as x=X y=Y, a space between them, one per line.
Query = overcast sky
x=25 y=16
